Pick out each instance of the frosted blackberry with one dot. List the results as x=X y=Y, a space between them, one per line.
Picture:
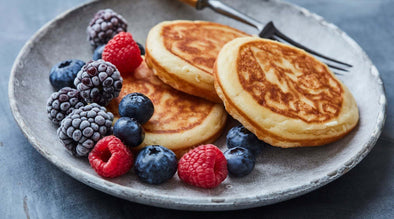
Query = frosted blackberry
x=83 y=127
x=62 y=103
x=98 y=82
x=104 y=26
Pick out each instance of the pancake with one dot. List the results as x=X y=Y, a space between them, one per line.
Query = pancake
x=180 y=121
x=282 y=94
x=182 y=53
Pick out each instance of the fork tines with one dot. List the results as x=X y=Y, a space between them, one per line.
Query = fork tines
x=271 y=32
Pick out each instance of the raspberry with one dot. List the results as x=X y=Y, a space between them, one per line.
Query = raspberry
x=98 y=82
x=205 y=167
x=123 y=52
x=83 y=127
x=62 y=103
x=105 y=25
x=110 y=157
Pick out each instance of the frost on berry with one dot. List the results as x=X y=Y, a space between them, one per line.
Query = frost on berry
x=99 y=82
x=62 y=103
x=104 y=26
x=82 y=128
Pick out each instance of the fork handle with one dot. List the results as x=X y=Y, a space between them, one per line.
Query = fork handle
x=226 y=10
x=192 y=3
x=198 y=4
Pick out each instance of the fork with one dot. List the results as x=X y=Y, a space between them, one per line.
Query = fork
x=268 y=31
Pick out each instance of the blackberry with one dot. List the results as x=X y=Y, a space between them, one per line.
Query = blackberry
x=98 y=82
x=62 y=103
x=104 y=26
x=83 y=127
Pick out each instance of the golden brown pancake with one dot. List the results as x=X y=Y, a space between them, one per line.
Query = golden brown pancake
x=180 y=121
x=282 y=94
x=182 y=54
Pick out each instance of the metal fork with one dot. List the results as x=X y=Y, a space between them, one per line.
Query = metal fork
x=265 y=31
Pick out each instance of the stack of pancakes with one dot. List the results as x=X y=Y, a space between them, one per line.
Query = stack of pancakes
x=280 y=93
x=180 y=121
x=182 y=54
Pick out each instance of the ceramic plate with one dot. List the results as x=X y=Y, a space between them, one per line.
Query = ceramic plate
x=280 y=174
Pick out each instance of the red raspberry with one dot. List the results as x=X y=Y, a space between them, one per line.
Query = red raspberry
x=205 y=167
x=123 y=52
x=110 y=157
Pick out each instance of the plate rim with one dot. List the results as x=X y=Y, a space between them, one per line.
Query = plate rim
x=206 y=203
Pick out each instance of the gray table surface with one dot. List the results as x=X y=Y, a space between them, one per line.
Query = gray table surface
x=31 y=187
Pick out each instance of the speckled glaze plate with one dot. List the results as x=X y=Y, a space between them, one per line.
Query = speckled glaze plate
x=280 y=174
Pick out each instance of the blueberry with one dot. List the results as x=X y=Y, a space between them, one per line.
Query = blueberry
x=129 y=131
x=64 y=73
x=155 y=164
x=137 y=106
x=141 y=48
x=240 y=161
x=98 y=52
x=239 y=136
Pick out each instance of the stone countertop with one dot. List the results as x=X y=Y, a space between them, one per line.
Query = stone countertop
x=31 y=187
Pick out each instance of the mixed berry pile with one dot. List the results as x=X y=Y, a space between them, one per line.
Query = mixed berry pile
x=87 y=129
